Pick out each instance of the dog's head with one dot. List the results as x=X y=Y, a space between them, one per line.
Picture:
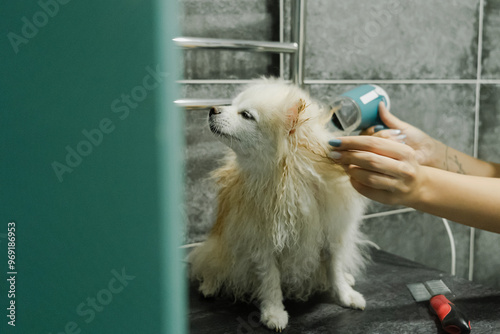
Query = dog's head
x=260 y=119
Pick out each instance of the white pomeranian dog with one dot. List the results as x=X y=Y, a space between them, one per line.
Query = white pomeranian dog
x=288 y=217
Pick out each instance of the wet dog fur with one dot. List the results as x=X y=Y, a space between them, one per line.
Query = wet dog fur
x=287 y=224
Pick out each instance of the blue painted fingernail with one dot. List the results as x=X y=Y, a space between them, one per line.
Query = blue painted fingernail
x=378 y=128
x=395 y=132
x=335 y=142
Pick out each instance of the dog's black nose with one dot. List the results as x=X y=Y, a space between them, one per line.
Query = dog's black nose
x=214 y=111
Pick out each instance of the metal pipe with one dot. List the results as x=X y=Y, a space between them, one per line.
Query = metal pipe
x=282 y=38
x=235 y=44
x=194 y=104
x=298 y=37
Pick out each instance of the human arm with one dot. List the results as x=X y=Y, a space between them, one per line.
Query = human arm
x=431 y=152
x=388 y=172
x=466 y=199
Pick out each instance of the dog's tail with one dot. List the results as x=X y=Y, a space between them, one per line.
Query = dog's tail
x=206 y=265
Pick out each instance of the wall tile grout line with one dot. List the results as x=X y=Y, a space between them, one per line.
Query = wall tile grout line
x=404 y=81
x=476 y=123
x=340 y=82
x=282 y=37
x=478 y=77
x=392 y=81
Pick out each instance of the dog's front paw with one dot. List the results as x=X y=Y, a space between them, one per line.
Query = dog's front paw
x=274 y=317
x=349 y=297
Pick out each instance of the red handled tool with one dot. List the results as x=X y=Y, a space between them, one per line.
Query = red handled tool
x=452 y=319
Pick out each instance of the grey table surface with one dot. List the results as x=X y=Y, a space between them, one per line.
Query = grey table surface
x=390 y=306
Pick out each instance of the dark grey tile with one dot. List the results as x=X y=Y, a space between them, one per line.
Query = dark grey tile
x=420 y=237
x=200 y=208
x=491 y=42
x=489 y=125
x=461 y=233
x=210 y=91
x=251 y=20
x=487 y=259
x=487 y=244
x=229 y=19
x=388 y=39
x=203 y=154
x=228 y=65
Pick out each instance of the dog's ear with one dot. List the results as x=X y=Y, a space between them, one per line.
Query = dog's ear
x=293 y=115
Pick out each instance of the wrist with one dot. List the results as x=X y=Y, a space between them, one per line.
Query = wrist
x=439 y=155
x=423 y=192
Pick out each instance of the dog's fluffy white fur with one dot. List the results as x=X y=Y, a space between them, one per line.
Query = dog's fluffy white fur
x=287 y=220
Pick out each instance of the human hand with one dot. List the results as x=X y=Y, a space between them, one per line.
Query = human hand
x=427 y=149
x=380 y=169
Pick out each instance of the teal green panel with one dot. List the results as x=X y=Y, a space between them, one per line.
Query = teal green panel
x=170 y=127
x=83 y=97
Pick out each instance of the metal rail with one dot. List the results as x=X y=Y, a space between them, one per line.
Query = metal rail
x=235 y=44
x=296 y=48
x=298 y=13
x=193 y=104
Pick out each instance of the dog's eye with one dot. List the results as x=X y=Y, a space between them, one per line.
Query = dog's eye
x=247 y=115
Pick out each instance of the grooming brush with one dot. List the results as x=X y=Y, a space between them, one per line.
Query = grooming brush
x=452 y=319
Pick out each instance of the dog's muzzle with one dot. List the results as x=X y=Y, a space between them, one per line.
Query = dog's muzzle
x=213 y=111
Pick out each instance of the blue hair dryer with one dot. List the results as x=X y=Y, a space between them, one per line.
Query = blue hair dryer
x=357 y=109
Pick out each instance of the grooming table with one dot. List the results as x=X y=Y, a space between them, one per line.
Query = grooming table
x=390 y=307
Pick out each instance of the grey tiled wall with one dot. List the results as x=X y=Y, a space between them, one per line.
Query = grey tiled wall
x=487 y=254
x=368 y=39
x=424 y=53
x=251 y=20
